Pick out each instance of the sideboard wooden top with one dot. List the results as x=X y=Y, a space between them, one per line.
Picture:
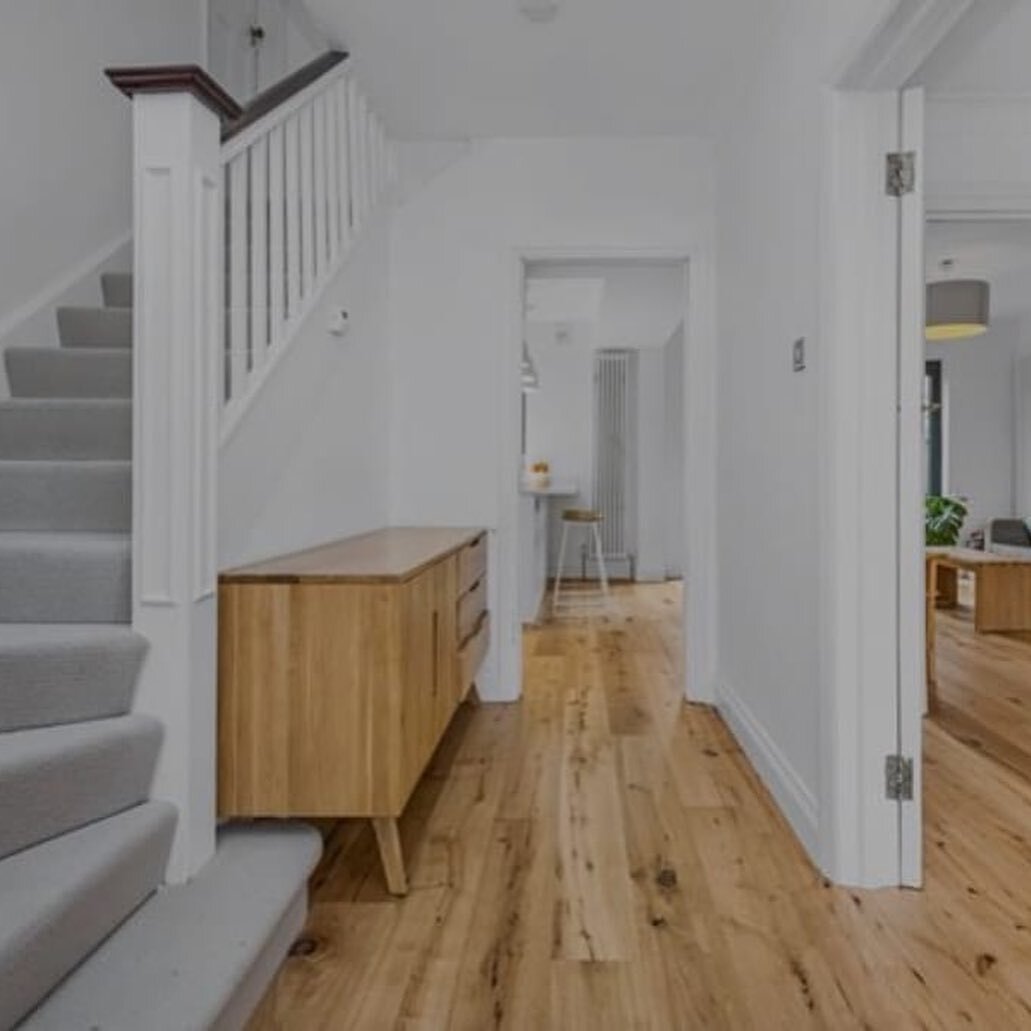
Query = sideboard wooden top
x=391 y=555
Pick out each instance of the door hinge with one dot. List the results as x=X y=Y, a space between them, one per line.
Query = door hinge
x=898 y=778
x=900 y=176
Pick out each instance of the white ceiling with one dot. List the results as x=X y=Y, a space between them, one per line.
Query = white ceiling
x=988 y=52
x=446 y=69
x=604 y=304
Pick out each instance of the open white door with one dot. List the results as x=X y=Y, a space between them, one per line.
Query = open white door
x=912 y=630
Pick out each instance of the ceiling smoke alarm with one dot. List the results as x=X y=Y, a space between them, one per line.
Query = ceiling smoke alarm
x=539 y=10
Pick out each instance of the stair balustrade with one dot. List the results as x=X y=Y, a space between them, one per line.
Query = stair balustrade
x=242 y=218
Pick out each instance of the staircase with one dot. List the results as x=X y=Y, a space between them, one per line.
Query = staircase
x=88 y=937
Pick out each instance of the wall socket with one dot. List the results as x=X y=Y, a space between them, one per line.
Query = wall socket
x=798 y=355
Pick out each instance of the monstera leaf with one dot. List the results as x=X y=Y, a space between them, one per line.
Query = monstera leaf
x=943 y=519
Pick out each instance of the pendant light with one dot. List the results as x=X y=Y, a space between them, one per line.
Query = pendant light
x=957 y=308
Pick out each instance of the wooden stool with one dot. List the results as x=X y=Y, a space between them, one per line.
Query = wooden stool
x=581 y=600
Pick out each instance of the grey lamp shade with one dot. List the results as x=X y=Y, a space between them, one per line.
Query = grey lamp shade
x=957 y=308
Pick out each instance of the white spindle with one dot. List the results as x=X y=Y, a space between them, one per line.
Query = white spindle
x=293 y=217
x=276 y=246
x=332 y=178
x=354 y=115
x=343 y=163
x=239 y=301
x=307 y=206
x=366 y=157
x=319 y=207
x=259 y=252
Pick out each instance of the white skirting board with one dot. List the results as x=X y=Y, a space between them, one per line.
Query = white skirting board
x=793 y=797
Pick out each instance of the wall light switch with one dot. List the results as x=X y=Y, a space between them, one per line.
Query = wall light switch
x=798 y=355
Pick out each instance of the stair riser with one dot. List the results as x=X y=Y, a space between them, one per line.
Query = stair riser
x=94 y=327
x=45 y=682
x=66 y=496
x=91 y=585
x=57 y=779
x=68 y=372
x=55 y=918
x=117 y=289
x=88 y=431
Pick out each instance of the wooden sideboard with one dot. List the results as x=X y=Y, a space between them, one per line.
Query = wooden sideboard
x=340 y=668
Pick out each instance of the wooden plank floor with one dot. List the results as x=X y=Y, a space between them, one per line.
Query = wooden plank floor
x=984 y=686
x=601 y=856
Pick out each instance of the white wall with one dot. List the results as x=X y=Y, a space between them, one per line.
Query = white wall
x=291 y=41
x=675 y=547
x=65 y=177
x=771 y=156
x=979 y=424
x=456 y=315
x=978 y=153
x=308 y=463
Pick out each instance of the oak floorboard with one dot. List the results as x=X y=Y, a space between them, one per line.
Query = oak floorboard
x=603 y=802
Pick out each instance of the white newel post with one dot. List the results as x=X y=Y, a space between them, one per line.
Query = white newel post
x=178 y=318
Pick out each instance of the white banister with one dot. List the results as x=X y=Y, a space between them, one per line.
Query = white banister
x=178 y=340
x=301 y=182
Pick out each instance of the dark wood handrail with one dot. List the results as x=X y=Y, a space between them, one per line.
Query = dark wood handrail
x=176 y=78
x=191 y=78
x=268 y=100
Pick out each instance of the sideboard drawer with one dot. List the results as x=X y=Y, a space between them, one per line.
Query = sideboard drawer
x=472 y=563
x=471 y=607
x=471 y=657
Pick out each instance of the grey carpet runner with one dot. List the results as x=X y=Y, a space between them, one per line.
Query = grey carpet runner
x=89 y=938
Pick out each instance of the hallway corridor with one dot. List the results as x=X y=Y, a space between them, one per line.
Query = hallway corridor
x=601 y=856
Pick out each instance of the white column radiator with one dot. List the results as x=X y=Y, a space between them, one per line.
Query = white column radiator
x=614 y=470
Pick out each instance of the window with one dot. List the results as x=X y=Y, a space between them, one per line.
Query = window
x=933 y=427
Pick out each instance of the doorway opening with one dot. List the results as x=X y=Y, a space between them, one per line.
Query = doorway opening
x=603 y=474
x=977 y=427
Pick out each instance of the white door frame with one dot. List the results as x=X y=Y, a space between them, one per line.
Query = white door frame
x=699 y=385
x=873 y=614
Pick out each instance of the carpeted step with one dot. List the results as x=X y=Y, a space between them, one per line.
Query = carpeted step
x=117 y=289
x=65 y=429
x=66 y=495
x=197 y=956
x=52 y=673
x=69 y=371
x=65 y=577
x=56 y=779
x=64 y=897
x=94 y=327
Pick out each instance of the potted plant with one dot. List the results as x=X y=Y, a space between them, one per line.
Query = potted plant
x=943 y=520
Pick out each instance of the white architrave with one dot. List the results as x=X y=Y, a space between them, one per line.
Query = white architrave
x=177 y=325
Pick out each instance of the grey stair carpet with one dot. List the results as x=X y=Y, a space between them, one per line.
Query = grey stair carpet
x=94 y=327
x=116 y=288
x=86 y=495
x=197 y=956
x=65 y=896
x=65 y=429
x=69 y=372
x=64 y=577
x=55 y=779
x=80 y=848
x=62 y=673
